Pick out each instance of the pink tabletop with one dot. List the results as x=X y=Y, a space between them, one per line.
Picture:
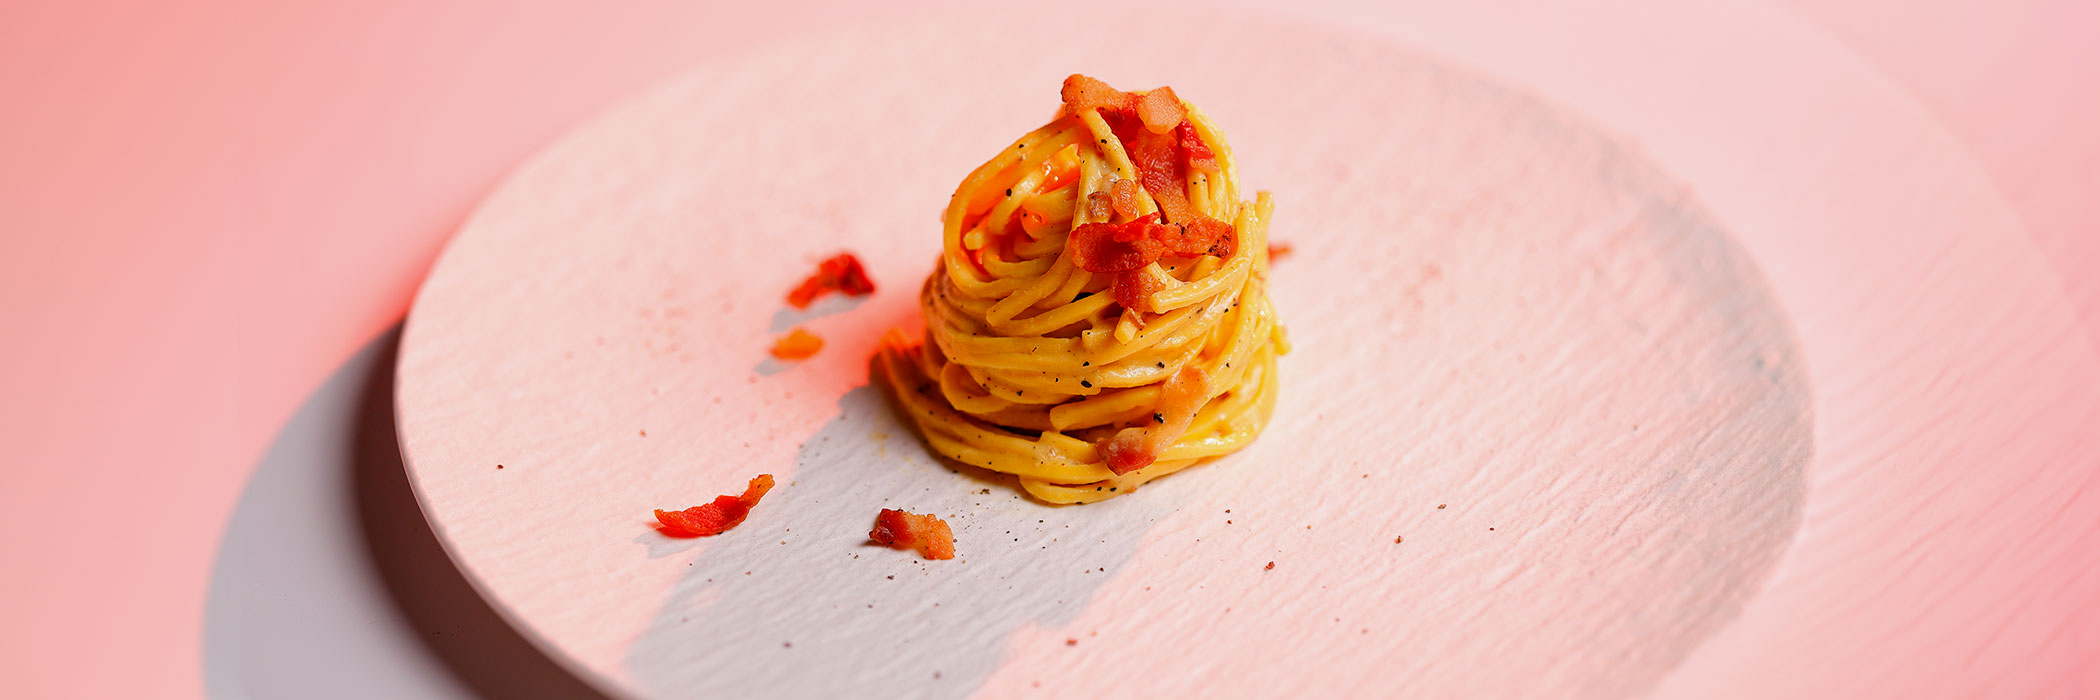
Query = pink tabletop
x=209 y=208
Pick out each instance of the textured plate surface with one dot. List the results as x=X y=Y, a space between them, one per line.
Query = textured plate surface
x=1520 y=349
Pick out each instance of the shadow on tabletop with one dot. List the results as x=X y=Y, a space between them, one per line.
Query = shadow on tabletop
x=330 y=584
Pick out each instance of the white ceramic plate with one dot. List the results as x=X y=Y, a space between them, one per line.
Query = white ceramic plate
x=1522 y=348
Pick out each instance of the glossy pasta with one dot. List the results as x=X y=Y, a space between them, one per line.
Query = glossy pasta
x=1098 y=317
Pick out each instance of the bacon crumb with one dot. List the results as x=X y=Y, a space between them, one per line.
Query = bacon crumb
x=1098 y=205
x=1135 y=448
x=1133 y=288
x=1200 y=155
x=1081 y=93
x=797 y=344
x=1125 y=451
x=717 y=517
x=1159 y=110
x=1123 y=198
x=839 y=273
x=929 y=534
x=1271 y=565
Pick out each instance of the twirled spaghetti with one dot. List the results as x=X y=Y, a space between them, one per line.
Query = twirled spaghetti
x=1099 y=316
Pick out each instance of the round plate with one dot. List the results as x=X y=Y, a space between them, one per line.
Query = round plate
x=1546 y=427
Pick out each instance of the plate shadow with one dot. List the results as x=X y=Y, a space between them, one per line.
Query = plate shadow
x=330 y=584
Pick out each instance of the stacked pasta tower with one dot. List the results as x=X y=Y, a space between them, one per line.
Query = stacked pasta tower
x=1099 y=316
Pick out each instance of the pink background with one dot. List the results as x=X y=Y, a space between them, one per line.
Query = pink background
x=207 y=209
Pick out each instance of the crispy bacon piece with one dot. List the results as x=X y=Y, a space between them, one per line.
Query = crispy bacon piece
x=1133 y=244
x=717 y=517
x=1122 y=197
x=1200 y=154
x=1204 y=236
x=1136 y=447
x=930 y=535
x=1081 y=93
x=1132 y=288
x=1126 y=248
x=1098 y=205
x=1159 y=110
x=797 y=344
x=840 y=273
x=1123 y=247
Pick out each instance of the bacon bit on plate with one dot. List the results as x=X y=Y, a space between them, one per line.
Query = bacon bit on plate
x=840 y=273
x=1271 y=565
x=1134 y=448
x=897 y=529
x=797 y=344
x=717 y=517
x=1279 y=250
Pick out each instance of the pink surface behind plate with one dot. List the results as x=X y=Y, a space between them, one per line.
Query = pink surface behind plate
x=208 y=207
